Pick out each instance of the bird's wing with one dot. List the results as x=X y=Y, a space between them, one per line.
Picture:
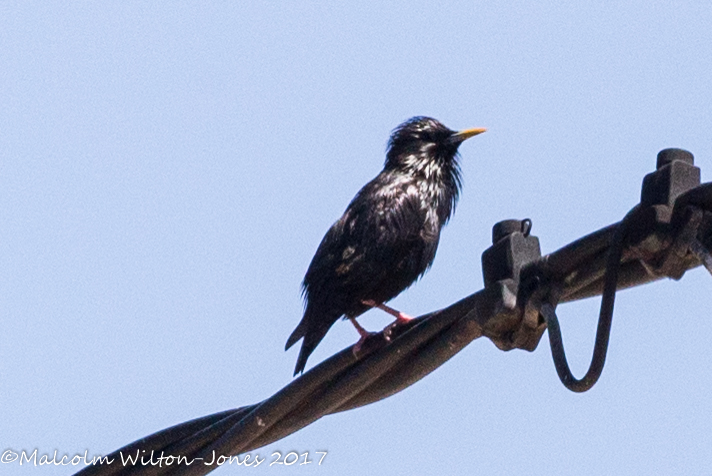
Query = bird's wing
x=401 y=216
x=408 y=228
x=384 y=241
x=384 y=228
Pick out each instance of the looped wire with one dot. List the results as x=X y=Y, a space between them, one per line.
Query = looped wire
x=605 y=318
x=526 y=227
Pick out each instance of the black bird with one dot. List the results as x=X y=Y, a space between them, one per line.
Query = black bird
x=388 y=235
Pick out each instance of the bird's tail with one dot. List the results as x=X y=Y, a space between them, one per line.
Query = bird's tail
x=313 y=327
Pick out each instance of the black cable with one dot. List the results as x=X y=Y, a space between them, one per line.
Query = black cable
x=605 y=318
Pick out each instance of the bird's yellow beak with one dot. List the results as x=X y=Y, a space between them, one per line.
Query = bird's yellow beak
x=466 y=134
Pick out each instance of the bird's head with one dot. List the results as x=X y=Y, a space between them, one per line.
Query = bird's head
x=423 y=144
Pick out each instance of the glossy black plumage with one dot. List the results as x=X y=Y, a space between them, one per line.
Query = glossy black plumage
x=389 y=233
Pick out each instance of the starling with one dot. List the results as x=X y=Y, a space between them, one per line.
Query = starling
x=388 y=235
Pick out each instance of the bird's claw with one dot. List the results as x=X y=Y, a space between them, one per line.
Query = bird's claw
x=357 y=346
x=388 y=330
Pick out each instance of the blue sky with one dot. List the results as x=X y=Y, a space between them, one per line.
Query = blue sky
x=167 y=172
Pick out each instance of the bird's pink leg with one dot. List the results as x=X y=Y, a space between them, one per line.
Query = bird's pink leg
x=362 y=332
x=401 y=317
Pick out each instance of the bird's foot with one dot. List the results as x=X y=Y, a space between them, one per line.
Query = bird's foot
x=361 y=341
x=363 y=333
x=388 y=330
x=401 y=317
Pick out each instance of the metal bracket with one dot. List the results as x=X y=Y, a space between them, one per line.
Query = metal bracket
x=513 y=247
